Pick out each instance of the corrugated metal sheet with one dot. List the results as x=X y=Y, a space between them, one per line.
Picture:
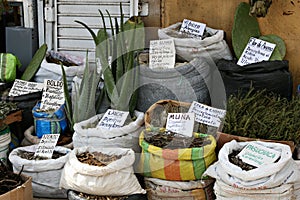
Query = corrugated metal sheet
x=71 y=37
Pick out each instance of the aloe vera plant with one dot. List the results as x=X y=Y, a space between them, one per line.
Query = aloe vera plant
x=82 y=106
x=115 y=55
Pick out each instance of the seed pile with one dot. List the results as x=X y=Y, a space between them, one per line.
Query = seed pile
x=8 y=180
x=238 y=162
x=97 y=158
x=30 y=155
x=95 y=197
x=173 y=140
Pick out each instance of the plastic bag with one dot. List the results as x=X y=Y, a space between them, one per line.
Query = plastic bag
x=8 y=67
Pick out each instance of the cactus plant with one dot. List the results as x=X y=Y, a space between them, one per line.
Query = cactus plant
x=244 y=27
x=120 y=79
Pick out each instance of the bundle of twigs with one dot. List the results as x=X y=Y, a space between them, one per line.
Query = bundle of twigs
x=265 y=116
x=8 y=180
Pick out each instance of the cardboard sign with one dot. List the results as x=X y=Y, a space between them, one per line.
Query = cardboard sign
x=21 y=87
x=256 y=51
x=181 y=123
x=162 y=54
x=46 y=146
x=257 y=155
x=53 y=95
x=207 y=115
x=113 y=119
x=193 y=28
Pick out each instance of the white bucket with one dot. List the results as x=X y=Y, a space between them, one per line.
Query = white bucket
x=4 y=145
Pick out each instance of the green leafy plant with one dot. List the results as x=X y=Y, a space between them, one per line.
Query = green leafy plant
x=82 y=106
x=258 y=114
x=115 y=54
x=35 y=63
x=246 y=26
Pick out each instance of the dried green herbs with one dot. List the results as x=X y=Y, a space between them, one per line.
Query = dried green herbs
x=173 y=140
x=265 y=116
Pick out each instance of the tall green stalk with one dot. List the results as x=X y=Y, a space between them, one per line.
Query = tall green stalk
x=120 y=75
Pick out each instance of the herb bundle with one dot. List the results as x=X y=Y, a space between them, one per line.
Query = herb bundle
x=264 y=116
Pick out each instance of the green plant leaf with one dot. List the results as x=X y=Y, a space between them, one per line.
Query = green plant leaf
x=244 y=27
x=280 y=49
x=69 y=111
x=95 y=38
x=35 y=63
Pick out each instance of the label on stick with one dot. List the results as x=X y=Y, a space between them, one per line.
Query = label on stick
x=256 y=51
x=113 y=119
x=181 y=123
x=46 y=146
x=162 y=54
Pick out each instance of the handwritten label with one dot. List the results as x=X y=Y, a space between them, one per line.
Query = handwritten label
x=53 y=95
x=256 y=51
x=21 y=87
x=162 y=54
x=192 y=27
x=113 y=119
x=181 y=123
x=46 y=146
x=257 y=155
x=207 y=115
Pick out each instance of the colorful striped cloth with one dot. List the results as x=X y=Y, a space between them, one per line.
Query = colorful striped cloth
x=8 y=67
x=176 y=164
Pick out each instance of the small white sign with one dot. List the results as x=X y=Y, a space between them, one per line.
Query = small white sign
x=21 y=87
x=113 y=119
x=53 y=95
x=181 y=123
x=256 y=51
x=207 y=115
x=162 y=54
x=46 y=146
x=193 y=28
x=257 y=155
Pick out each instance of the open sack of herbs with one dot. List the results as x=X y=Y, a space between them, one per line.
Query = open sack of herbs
x=45 y=172
x=109 y=170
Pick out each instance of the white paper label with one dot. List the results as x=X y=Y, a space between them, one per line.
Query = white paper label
x=46 y=146
x=162 y=54
x=257 y=155
x=21 y=87
x=181 y=123
x=113 y=119
x=192 y=27
x=207 y=115
x=256 y=51
x=53 y=95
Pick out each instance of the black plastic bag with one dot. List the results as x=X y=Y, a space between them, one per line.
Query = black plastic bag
x=274 y=76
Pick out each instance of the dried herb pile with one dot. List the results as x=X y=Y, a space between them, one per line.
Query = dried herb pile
x=238 y=162
x=173 y=140
x=8 y=180
x=30 y=155
x=265 y=116
x=97 y=158
x=6 y=108
x=95 y=197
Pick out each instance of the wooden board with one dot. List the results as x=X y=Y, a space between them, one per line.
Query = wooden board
x=283 y=20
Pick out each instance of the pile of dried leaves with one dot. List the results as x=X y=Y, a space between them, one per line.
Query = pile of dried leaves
x=97 y=158
x=8 y=180
x=95 y=197
x=173 y=140
x=238 y=162
x=30 y=155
